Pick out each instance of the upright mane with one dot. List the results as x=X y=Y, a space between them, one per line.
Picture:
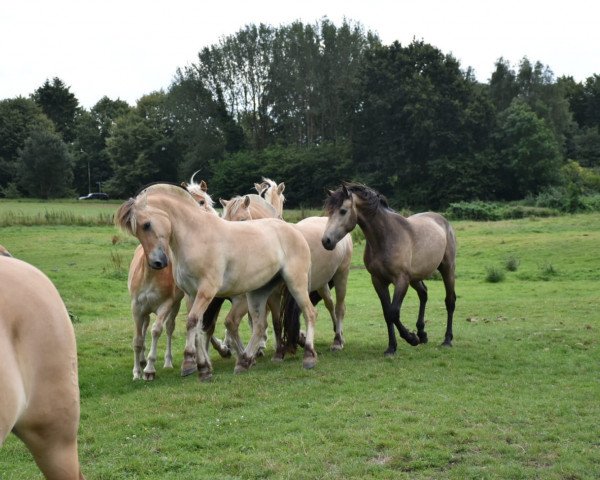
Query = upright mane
x=371 y=199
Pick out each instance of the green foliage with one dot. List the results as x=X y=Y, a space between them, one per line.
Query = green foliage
x=19 y=117
x=494 y=274
x=512 y=263
x=59 y=105
x=45 y=167
x=528 y=154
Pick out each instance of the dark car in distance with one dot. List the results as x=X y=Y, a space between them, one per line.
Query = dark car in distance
x=94 y=196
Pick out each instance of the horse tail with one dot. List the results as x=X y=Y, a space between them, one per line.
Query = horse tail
x=290 y=318
x=212 y=312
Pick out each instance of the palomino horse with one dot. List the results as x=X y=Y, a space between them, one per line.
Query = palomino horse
x=216 y=258
x=241 y=209
x=328 y=267
x=399 y=251
x=39 y=390
x=154 y=291
x=272 y=193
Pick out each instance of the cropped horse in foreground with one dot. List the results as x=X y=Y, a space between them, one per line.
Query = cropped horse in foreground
x=216 y=258
x=154 y=291
x=39 y=390
x=399 y=251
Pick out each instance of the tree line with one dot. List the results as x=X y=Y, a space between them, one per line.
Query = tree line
x=311 y=105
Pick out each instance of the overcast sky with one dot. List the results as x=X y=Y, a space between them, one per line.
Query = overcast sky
x=127 y=48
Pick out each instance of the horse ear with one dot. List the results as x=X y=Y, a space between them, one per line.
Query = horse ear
x=258 y=187
x=184 y=185
x=345 y=190
x=223 y=202
x=246 y=201
x=280 y=188
x=203 y=186
x=329 y=192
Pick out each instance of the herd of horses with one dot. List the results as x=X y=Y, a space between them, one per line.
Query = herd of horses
x=250 y=256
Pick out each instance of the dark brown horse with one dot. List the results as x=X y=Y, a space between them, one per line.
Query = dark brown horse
x=399 y=251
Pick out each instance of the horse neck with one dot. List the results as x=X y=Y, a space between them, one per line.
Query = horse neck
x=376 y=226
x=186 y=218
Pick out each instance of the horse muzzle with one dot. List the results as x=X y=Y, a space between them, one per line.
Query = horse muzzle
x=328 y=243
x=158 y=259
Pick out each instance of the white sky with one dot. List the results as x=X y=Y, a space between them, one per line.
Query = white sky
x=128 y=48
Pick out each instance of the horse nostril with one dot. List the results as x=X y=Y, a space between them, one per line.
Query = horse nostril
x=157 y=264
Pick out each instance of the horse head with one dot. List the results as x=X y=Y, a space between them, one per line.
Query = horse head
x=150 y=225
x=237 y=209
x=200 y=193
x=340 y=206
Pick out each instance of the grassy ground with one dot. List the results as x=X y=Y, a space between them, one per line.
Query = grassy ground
x=516 y=397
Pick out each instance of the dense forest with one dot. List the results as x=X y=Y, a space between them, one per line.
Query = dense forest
x=312 y=105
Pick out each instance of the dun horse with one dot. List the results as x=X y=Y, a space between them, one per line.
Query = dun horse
x=39 y=390
x=216 y=258
x=399 y=251
x=154 y=291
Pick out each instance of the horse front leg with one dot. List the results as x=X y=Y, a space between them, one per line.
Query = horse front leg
x=195 y=356
x=141 y=320
x=338 y=342
x=382 y=290
x=421 y=290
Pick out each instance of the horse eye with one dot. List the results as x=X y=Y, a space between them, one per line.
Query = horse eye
x=201 y=202
x=146 y=226
x=343 y=211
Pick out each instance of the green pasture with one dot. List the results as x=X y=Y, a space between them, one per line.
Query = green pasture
x=518 y=396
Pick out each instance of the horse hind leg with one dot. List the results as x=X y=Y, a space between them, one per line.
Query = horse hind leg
x=421 y=289
x=170 y=327
x=450 y=300
x=257 y=307
x=338 y=342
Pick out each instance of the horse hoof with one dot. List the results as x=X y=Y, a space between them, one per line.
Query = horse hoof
x=260 y=352
x=187 y=368
x=447 y=344
x=149 y=376
x=389 y=353
x=413 y=340
x=277 y=358
x=240 y=369
x=205 y=376
x=423 y=337
x=336 y=347
x=309 y=362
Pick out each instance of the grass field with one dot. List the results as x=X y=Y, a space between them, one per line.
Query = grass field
x=518 y=396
